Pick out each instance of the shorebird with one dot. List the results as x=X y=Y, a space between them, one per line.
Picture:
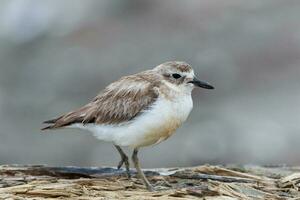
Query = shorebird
x=137 y=110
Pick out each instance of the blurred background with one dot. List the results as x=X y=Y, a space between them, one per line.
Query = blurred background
x=57 y=55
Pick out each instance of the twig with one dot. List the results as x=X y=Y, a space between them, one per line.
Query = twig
x=199 y=176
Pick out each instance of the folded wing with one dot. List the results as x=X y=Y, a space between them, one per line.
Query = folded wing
x=119 y=102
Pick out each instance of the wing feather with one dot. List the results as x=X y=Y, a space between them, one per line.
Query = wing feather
x=119 y=102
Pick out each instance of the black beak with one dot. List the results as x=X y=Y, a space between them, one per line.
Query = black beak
x=202 y=84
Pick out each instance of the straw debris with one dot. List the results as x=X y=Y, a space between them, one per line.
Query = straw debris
x=204 y=182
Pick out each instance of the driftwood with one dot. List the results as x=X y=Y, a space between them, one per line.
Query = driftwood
x=204 y=182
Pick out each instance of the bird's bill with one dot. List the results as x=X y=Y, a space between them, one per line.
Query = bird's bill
x=201 y=84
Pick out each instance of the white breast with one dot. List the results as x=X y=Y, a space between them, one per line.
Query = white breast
x=153 y=126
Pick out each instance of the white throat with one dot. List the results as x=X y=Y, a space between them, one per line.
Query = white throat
x=181 y=89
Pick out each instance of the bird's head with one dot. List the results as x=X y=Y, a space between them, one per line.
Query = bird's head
x=179 y=74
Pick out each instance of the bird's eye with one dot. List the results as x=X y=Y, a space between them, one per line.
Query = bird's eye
x=176 y=76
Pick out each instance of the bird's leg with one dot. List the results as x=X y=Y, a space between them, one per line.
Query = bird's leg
x=124 y=160
x=139 y=170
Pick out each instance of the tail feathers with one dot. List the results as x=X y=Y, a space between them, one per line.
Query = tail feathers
x=51 y=121
x=77 y=116
x=47 y=127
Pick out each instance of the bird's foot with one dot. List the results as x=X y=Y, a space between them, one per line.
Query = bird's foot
x=150 y=188
x=124 y=160
x=163 y=184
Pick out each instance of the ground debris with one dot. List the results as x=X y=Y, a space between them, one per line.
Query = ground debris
x=204 y=182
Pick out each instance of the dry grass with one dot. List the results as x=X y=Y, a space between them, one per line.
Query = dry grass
x=206 y=182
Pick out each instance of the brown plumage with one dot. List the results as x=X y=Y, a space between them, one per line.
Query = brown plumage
x=121 y=101
x=181 y=66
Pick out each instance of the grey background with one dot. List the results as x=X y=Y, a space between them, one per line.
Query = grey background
x=57 y=55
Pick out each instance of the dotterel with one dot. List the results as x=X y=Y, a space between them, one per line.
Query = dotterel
x=137 y=110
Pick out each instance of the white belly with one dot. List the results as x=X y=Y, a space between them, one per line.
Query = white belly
x=153 y=126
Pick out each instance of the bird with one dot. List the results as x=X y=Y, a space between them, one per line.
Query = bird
x=137 y=110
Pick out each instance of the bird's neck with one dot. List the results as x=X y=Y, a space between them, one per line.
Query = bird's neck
x=172 y=92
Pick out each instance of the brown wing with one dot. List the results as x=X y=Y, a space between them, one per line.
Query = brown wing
x=120 y=102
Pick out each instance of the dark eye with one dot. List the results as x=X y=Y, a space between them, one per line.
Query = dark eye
x=176 y=76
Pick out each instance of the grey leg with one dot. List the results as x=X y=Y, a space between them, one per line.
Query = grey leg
x=124 y=160
x=139 y=170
